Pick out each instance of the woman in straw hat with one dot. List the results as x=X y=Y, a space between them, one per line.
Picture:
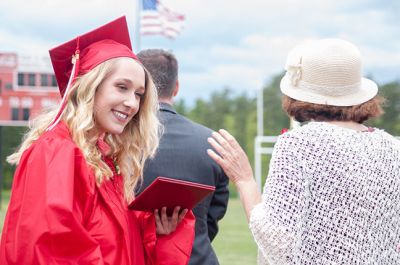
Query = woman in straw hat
x=78 y=165
x=332 y=193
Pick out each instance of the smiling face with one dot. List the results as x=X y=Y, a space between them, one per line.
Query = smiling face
x=117 y=99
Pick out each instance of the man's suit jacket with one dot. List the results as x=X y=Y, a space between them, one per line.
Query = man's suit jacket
x=182 y=154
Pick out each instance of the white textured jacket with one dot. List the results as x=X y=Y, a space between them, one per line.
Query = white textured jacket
x=332 y=196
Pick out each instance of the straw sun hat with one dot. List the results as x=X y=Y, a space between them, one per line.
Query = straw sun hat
x=327 y=71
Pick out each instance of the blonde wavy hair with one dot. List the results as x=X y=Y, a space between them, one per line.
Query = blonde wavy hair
x=130 y=149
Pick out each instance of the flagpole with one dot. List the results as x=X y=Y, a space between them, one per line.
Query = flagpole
x=137 y=25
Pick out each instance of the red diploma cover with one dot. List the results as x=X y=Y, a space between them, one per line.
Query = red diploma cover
x=166 y=192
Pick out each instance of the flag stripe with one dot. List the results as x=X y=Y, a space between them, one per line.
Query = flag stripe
x=157 y=19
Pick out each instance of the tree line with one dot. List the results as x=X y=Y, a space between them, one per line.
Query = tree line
x=238 y=115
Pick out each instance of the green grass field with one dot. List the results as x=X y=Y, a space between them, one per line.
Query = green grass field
x=234 y=244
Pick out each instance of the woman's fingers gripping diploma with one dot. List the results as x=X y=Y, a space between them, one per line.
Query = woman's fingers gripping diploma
x=166 y=225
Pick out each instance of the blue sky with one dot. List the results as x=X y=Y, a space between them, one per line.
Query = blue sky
x=238 y=44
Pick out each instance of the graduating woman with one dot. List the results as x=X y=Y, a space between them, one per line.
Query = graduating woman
x=78 y=165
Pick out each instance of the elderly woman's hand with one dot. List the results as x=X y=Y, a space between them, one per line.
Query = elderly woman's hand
x=236 y=165
x=166 y=225
x=230 y=157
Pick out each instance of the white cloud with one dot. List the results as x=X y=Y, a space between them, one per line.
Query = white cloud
x=21 y=44
x=60 y=11
x=244 y=66
x=379 y=58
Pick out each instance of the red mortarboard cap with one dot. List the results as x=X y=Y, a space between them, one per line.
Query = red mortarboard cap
x=83 y=53
x=106 y=42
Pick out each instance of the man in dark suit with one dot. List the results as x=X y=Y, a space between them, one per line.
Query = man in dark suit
x=182 y=155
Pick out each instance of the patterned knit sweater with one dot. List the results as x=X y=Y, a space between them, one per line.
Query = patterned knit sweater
x=332 y=196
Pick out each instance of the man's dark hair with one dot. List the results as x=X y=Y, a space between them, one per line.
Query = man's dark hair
x=163 y=68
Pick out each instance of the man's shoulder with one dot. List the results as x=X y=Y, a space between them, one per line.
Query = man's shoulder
x=177 y=124
x=170 y=117
x=196 y=125
x=197 y=128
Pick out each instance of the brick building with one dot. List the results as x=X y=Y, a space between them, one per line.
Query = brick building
x=27 y=85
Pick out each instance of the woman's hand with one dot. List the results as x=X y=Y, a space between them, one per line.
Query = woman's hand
x=166 y=225
x=230 y=157
x=236 y=165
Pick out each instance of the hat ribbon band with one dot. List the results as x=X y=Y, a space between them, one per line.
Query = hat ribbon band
x=329 y=90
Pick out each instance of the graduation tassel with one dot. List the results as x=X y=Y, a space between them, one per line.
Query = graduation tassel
x=74 y=72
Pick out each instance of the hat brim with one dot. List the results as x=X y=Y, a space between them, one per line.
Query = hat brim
x=368 y=90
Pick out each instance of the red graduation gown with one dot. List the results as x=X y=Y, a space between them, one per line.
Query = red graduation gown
x=58 y=215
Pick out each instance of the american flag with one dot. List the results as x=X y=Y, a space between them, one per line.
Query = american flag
x=157 y=19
